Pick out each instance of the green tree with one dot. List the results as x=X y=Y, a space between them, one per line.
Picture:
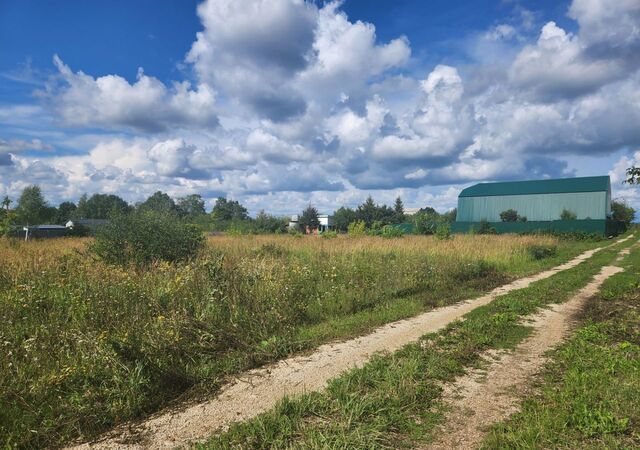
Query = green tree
x=450 y=216
x=32 y=208
x=309 y=219
x=621 y=211
x=7 y=216
x=228 y=210
x=266 y=223
x=633 y=175
x=568 y=215
x=510 y=215
x=426 y=220
x=159 y=202
x=65 y=212
x=369 y=212
x=100 y=206
x=342 y=218
x=191 y=206
x=398 y=209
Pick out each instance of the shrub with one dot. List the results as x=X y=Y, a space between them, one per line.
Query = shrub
x=329 y=234
x=510 y=215
x=356 y=228
x=143 y=237
x=539 y=251
x=389 y=232
x=568 y=215
x=485 y=228
x=443 y=231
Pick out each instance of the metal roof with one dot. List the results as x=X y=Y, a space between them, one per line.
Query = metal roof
x=556 y=186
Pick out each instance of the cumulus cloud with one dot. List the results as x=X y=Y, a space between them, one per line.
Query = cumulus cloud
x=313 y=105
x=111 y=102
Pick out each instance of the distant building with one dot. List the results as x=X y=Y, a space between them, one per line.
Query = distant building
x=540 y=205
x=326 y=223
x=411 y=211
x=44 y=231
x=89 y=225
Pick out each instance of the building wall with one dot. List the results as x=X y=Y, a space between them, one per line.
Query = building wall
x=536 y=207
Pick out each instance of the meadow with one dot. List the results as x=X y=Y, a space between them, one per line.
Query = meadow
x=86 y=346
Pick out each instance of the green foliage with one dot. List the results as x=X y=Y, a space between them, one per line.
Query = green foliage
x=159 y=202
x=450 y=216
x=426 y=221
x=539 y=251
x=190 y=207
x=329 y=234
x=484 y=227
x=32 y=208
x=510 y=215
x=357 y=228
x=342 y=218
x=100 y=206
x=633 y=175
x=227 y=210
x=390 y=232
x=144 y=237
x=622 y=211
x=369 y=212
x=266 y=223
x=309 y=219
x=568 y=215
x=443 y=231
x=398 y=209
x=65 y=212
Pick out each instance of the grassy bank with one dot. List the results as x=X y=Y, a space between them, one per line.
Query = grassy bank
x=394 y=400
x=589 y=397
x=86 y=346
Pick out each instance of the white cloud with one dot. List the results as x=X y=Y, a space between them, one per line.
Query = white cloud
x=146 y=105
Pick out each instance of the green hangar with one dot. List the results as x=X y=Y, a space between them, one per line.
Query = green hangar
x=560 y=205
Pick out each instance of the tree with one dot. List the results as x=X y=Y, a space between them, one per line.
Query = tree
x=32 y=208
x=159 y=202
x=100 y=206
x=342 y=218
x=228 y=210
x=510 y=215
x=6 y=203
x=266 y=223
x=568 y=215
x=191 y=206
x=450 y=216
x=622 y=211
x=309 y=219
x=369 y=213
x=65 y=212
x=398 y=209
x=7 y=217
x=633 y=175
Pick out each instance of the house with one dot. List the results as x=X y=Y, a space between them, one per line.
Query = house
x=44 y=231
x=326 y=223
x=540 y=205
x=411 y=211
x=90 y=225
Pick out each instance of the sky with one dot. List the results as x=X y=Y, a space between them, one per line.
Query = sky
x=284 y=103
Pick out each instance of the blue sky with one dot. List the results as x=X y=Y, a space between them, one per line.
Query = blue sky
x=280 y=103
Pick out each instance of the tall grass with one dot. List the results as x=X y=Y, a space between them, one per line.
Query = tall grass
x=86 y=345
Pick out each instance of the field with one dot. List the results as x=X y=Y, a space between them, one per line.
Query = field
x=87 y=346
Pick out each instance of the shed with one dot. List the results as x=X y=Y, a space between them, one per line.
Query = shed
x=541 y=202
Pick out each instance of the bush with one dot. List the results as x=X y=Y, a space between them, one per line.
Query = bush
x=485 y=228
x=329 y=234
x=389 y=232
x=510 y=215
x=539 y=251
x=356 y=228
x=443 y=231
x=568 y=215
x=141 y=238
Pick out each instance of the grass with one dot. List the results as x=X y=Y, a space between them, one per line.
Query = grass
x=394 y=401
x=86 y=345
x=589 y=396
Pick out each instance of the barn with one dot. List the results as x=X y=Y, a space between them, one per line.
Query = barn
x=540 y=205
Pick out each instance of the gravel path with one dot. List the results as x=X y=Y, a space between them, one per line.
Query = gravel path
x=487 y=396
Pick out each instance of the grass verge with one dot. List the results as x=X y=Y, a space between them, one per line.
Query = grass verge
x=86 y=346
x=589 y=396
x=394 y=400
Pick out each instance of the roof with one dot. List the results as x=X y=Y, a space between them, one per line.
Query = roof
x=48 y=227
x=556 y=186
